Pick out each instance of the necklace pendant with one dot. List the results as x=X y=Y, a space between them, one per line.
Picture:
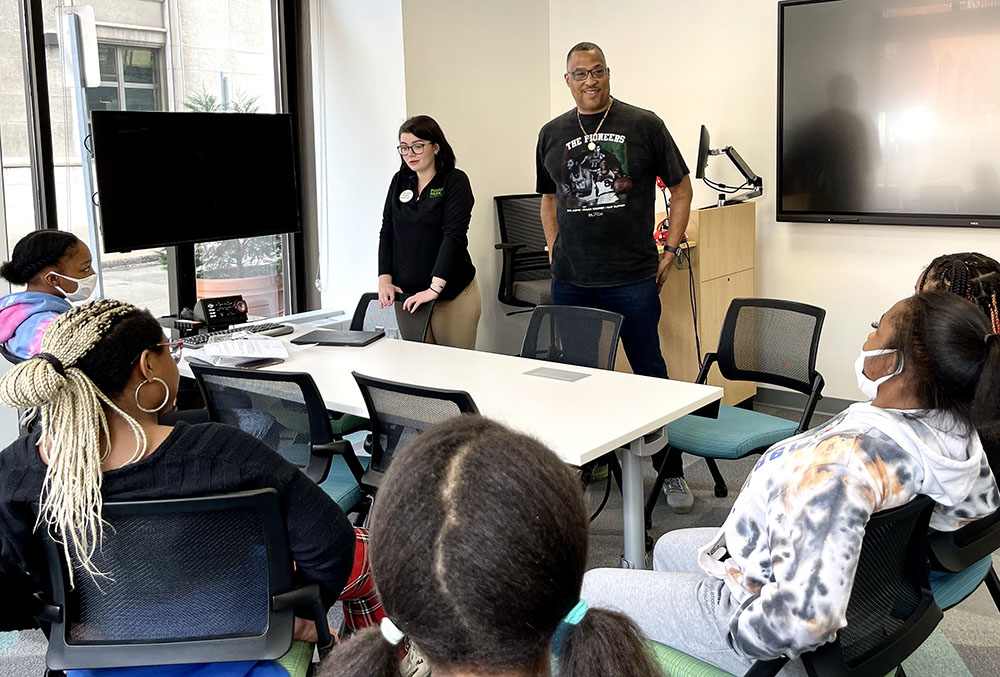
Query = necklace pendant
x=592 y=146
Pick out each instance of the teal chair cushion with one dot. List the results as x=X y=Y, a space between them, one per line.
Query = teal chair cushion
x=735 y=434
x=297 y=660
x=340 y=484
x=674 y=663
x=345 y=424
x=949 y=589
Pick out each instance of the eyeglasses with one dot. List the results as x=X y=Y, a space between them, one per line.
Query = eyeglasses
x=599 y=73
x=416 y=148
x=173 y=347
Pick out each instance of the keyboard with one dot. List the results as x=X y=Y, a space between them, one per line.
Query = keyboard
x=267 y=329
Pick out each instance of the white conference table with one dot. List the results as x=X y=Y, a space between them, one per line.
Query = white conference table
x=580 y=420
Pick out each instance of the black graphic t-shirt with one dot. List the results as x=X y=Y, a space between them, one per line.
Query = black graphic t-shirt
x=605 y=195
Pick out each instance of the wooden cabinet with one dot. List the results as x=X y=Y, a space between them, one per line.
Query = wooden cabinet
x=722 y=260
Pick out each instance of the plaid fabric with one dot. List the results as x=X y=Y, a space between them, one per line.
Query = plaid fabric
x=362 y=607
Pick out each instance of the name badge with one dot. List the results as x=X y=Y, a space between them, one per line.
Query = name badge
x=406 y=195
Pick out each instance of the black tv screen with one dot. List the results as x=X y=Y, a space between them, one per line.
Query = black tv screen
x=171 y=178
x=889 y=112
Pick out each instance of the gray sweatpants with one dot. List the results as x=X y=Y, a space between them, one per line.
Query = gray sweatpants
x=677 y=603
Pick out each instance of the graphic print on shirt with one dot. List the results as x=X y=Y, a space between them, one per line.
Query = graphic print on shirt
x=595 y=179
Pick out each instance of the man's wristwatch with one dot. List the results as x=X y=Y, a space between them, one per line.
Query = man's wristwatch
x=676 y=251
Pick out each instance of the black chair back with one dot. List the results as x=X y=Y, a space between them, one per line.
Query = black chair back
x=585 y=337
x=396 y=322
x=284 y=410
x=399 y=412
x=891 y=611
x=957 y=550
x=771 y=341
x=190 y=580
x=9 y=356
x=522 y=241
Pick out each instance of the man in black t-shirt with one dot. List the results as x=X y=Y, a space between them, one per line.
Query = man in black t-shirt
x=596 y=168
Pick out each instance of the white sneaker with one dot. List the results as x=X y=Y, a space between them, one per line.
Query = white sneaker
x=679 y=496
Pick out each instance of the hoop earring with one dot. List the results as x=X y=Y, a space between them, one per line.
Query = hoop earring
x=166 y=395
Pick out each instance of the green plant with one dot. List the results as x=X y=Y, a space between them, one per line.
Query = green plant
x=203 y=102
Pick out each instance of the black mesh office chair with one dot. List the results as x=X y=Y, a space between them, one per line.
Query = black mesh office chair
x=764 y=340
x=526 y=276
x=963 y=559
x=397 y=322
x=285 y=411
x=399 y=412
x=194 y=580
x=585 y=337
x=890 y=614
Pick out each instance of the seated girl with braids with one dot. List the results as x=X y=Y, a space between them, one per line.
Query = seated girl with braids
x=480 y=565
x=104 y=372
x=776 y=578
x=55 y=268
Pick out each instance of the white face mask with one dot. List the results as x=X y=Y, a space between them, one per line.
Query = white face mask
x=868 y=386
x=85 y=287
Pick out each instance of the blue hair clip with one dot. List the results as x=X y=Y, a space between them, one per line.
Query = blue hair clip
x=577 y=613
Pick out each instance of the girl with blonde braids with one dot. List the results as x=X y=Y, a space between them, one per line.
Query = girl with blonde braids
x=104 y=373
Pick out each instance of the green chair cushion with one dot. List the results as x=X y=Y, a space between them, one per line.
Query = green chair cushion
x=340 y=484
x=345 y=424
x=949 y=589
x=675 y=663
x=735 y=434
x=297 y=660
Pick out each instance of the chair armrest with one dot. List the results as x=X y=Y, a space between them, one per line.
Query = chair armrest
x=41 y=610
x=814 y=397
x=710 y=359
x=306 y=602
x=340 y=448
x=509 y=246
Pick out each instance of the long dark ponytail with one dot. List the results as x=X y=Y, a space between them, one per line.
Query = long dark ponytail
x=479 y=546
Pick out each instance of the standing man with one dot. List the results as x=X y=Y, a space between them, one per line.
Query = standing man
x=596 y=170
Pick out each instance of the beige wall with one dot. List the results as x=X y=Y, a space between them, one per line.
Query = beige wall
x=714 y=62
x=480 y=70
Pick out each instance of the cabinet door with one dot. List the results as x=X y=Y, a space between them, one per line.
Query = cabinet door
x=716 y=296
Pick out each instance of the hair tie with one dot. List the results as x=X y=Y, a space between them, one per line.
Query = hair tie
x=577 y=613
x=390 y=632
x=54 y=361
x=988 y=338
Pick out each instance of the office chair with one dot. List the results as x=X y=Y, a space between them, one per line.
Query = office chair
x=399 y=412
x=963 y=559
x=193 y=580
x=284 y=410
x=526 y=275
x=764 y=340
x=397 y=323
x=891 y=611
x=585 y=337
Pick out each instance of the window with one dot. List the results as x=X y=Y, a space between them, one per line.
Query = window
x=128 y=74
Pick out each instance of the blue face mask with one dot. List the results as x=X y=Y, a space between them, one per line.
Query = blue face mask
x=868 y=386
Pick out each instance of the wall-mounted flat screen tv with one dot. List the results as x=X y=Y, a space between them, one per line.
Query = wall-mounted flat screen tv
x=889 y=112
x=172 y=178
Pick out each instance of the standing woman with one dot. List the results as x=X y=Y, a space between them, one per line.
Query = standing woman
x=424 y=242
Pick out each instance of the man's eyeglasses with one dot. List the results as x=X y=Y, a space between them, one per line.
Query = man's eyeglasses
x=173 y=347
x=416 y=148
x=599 y=73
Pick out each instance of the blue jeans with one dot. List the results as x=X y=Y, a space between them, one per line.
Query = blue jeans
x=639 y=304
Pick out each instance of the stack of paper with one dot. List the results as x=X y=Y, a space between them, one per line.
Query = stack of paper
x=236 y=349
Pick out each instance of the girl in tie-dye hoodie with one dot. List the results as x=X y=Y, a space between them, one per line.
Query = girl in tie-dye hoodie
x=775 y=579
x=56 y=268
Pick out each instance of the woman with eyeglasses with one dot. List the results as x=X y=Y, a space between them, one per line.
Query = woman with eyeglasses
x=104 y=373
x=55 y=268
x=424 y=242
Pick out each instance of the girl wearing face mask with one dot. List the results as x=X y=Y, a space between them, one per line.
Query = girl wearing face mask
x=776 y=578
x=56 y=268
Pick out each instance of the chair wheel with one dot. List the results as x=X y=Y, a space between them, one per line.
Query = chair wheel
x=721 y=491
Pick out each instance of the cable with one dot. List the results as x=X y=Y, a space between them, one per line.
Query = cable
x=723 y=188
x=694 y=303
x=89 y=149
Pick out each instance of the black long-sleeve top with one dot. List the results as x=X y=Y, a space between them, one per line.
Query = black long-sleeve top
x=194 y=460
x=427 y=235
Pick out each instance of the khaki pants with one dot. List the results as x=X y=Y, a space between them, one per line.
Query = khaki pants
x=455 y=322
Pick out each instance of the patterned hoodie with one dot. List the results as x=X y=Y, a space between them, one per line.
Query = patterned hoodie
x=795 y=531
x=24 y=317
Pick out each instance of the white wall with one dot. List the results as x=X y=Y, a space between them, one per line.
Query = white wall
x=714 y=62
x=480 y=69
x=360 y=95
